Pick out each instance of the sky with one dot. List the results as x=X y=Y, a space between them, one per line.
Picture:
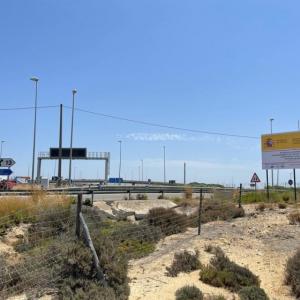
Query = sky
x=218 y=66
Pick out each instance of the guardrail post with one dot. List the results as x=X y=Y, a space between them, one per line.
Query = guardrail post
x=200 y=212
x=240 y=196
x=78 y=211
x=129 y=195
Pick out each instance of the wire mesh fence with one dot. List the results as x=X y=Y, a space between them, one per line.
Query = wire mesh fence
x=47 y=255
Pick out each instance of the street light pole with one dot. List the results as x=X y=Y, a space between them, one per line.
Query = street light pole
x=142 y=170
x=35 y=80
x=272 y=173
x=71 y=139
x=120 y=162
x=2 y=142
x=164 y=164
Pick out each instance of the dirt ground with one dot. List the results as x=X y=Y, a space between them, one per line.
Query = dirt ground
x=261 y=241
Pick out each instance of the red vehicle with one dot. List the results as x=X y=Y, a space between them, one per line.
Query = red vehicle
x=7 y=184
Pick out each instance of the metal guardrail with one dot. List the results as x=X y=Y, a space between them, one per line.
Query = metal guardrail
x=121 y=189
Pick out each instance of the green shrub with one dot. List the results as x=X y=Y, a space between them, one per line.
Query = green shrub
x=189 y=293
x=134 y=248
x=293 y=273
x=88 y=202
x=261 y=196
x=73 y=289
x=184 y=262
x=168 y=220
x=286 y=198
x=294 y=217
x=252 y=293
x=224 y=273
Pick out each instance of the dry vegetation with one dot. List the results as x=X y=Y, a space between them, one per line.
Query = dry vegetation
x=293 y=273
x=294 y=217
x=16 y=210
x=69 y=268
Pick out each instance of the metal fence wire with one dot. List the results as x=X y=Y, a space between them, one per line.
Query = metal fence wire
x=34 y=265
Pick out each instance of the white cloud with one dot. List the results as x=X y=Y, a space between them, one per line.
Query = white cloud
x=155 y=137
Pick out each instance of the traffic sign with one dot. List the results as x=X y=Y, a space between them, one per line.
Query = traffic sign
x=290 y=182
x=255 y=178
x=6 y=162
x=5 y=172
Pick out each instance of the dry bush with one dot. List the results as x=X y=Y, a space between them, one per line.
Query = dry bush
x=188 y=192
x=185 y=262
x=282 y=205
x=26 y=187
x=216 y=210
x=14 y=210
x=168 y=220
x=224 y=273
x=213 y=297
x=141 y=197
x=189 y=293
x=261 y=206
x=293 y=273
x=294 y=217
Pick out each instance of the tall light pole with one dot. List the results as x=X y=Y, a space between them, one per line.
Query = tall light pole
x=272 y=173
x=2 y=142
x=142 y=161
x=71 y=139
x=35 y=80
x=164 y=164
x=120 y=162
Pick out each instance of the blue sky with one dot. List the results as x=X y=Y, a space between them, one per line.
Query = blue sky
x=224 y=66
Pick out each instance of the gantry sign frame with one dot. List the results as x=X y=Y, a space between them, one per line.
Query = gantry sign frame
x=89 y=156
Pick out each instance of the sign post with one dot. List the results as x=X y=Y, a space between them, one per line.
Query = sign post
x=295 y=187
x=281 y=151
x=255 y=179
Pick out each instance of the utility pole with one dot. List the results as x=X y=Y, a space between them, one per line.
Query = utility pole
x=60 y=146
x=35 y=80
x=272 y=173
x=142 y=170
x=120 y=162
x=184 y=173
x=2 y=142
x=164 y=164
x=71 y=139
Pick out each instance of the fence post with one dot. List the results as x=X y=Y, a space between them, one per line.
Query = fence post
x=129 y=195
x=92 y=198
x=200 y=212
x=78 y=211
x=240 y=196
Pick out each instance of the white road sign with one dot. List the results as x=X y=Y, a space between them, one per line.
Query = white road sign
x=6 y=162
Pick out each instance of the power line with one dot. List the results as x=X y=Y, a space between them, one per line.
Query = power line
x=27 y=107
x=146 y=123
x=163 y=125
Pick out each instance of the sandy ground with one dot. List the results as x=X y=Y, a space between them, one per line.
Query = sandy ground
x=261 y=241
